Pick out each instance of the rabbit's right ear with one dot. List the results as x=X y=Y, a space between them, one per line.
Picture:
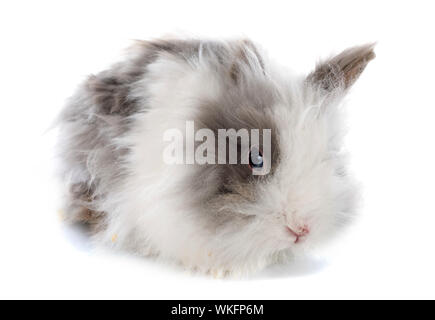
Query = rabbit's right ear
x=341 y=72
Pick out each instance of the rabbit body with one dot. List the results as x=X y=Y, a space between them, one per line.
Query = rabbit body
x=217 y=218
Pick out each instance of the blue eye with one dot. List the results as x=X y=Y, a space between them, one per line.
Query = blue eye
x=255 y=159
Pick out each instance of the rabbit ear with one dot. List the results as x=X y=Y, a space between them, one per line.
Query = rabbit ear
x=341 y=71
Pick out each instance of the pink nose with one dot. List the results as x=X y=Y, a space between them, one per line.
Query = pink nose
x=299 y=232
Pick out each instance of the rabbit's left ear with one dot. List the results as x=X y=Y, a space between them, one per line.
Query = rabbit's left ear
x=341 y=71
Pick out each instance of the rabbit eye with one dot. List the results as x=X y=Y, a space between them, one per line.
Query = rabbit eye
x=255 y=158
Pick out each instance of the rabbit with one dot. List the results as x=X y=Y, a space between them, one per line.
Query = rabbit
x=217 y=218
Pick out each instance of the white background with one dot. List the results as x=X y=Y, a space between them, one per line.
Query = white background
x=48 y=47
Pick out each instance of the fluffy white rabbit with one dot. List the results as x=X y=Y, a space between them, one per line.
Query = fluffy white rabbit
x=218 y=218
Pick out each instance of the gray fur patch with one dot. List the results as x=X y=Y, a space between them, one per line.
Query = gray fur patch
x=246 y=104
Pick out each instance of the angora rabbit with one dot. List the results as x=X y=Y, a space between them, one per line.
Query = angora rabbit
x=155 y=154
